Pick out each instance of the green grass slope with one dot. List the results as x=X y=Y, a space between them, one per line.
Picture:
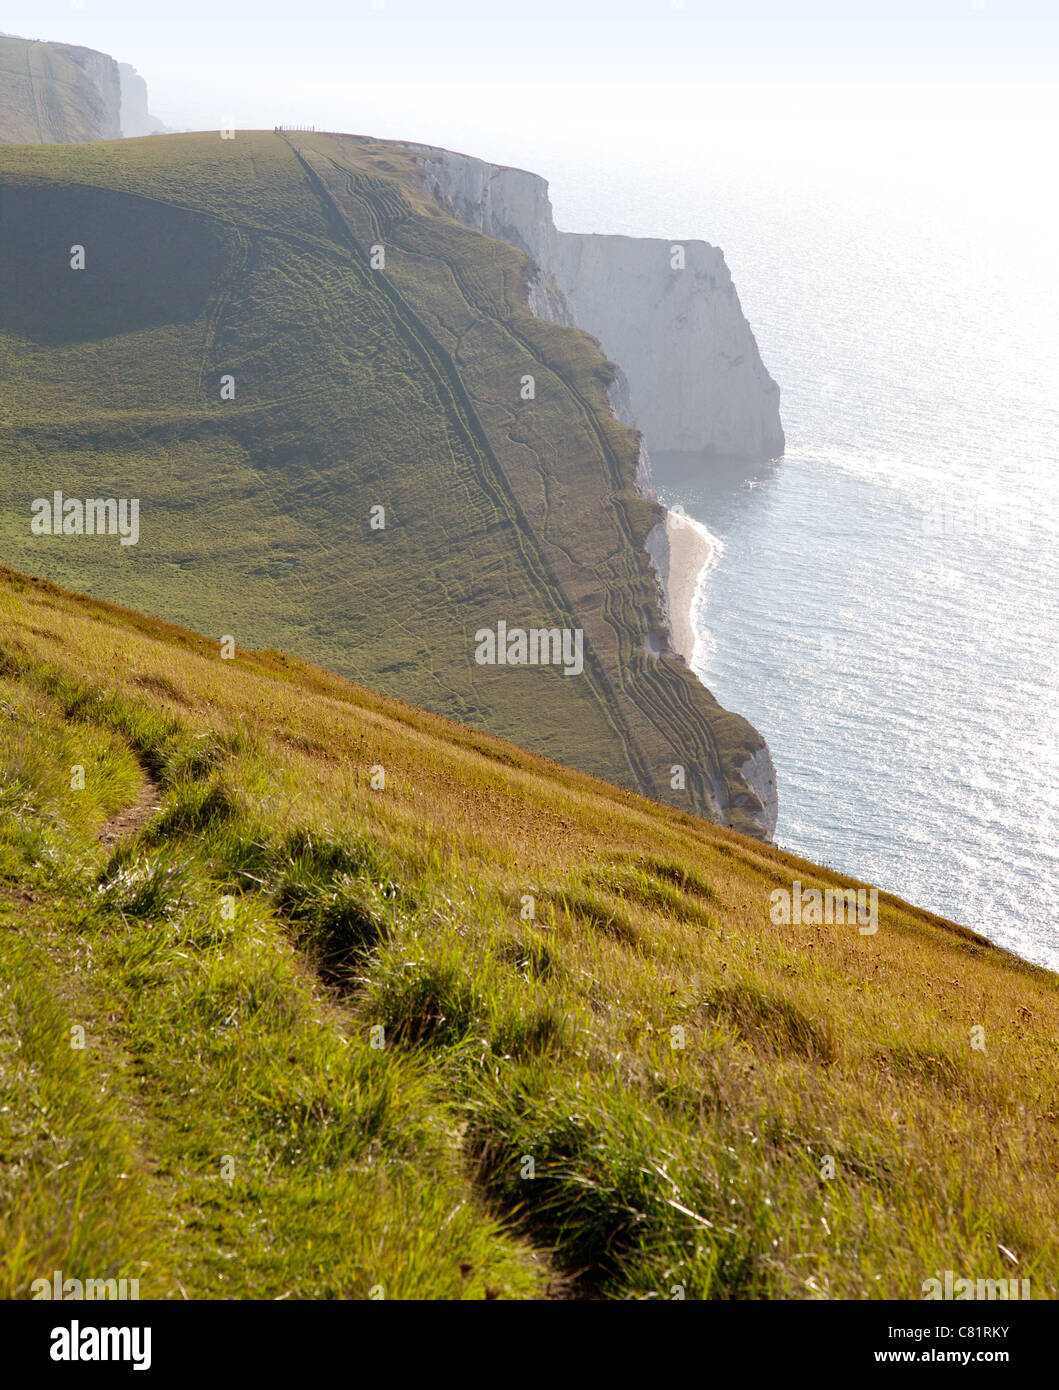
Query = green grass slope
x=46 y=96
x=478 y=1027
x=354 y=388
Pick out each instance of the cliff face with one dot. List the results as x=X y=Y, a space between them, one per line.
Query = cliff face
x=135 y=117
x=696 y=379
x=666 y=312
x=57 y=94
x=102 y=72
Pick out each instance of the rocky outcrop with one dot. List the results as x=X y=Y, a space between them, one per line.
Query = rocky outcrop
x=666 y=312
x=759 y=773
x=135 y=117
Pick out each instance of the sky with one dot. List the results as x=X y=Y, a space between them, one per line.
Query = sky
x=841 y=85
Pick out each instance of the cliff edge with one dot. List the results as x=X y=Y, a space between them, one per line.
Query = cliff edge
x=666 y=311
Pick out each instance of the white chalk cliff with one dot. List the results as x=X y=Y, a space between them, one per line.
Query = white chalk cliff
x=135 y=117
x=666 y=312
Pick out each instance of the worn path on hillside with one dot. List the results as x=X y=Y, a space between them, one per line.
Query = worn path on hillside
x=126 y=823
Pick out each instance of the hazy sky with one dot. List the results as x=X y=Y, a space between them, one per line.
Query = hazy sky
x=778 y=84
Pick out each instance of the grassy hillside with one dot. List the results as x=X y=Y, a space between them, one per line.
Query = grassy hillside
x=829 y=1129
x=47 y=96
x=355 y=388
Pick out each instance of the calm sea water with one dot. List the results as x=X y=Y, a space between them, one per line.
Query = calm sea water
x=885 y=604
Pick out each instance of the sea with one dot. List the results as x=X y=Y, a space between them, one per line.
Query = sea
x=883 y=603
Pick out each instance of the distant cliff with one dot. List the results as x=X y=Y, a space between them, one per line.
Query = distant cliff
x=60 y=94
x=135 y=117
x=666 y=312
x=57 y=94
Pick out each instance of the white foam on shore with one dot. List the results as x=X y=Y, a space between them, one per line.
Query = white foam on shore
x=715 y=543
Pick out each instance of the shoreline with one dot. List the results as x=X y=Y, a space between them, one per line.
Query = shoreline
x=690 y=553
